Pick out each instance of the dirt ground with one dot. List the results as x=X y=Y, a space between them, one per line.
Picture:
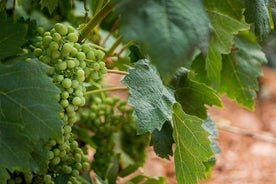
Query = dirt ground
x=246 y=159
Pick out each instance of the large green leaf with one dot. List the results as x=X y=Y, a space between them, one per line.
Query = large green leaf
x=162 y=141
x=12 y=38
x=193 y=95
x=227 y=20
x=150 y=98
x=51 y=5
x=28 y=113
x=241 y=70
x=192 y=147
x=257 y=13
x=169 y=30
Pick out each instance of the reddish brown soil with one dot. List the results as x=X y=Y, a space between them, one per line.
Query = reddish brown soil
x=244 y=160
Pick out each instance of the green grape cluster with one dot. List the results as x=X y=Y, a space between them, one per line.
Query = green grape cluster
x=103 y=118
x=70 y=65
x=106 y=117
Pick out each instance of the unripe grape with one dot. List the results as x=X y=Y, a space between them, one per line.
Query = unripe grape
x=28 y=176
x=45 y=59
x=75 y=173
x=80 y=56
x=66 y=49
x=56 y=37
x=67 y=129
x=53 y=45
x=75 y=84
x=59 y=78
x=64 y=94
x=47 y=179
x=71 y=114
x=74 y=144
x=71 y=63
x=51 y=155
x=79 y=93
x=40 y=30
x=72 y=120
x=67 y=169
x=83 y=64
x=91 y=55
x=56 y=152
x=64 y=103
x=74 y=52
x=37 y=52
x=82 y=101
x=96 y=66
x=78 y=166
x=66 y=83
x=62 y=154
x=72 y=37
x=85 y=166
x=55 y=161
x=99 y=54
x=71 y=29
x=47 y=33
x=70 y=108
x=55 y=54
x=80 y=73
x=61 y=28
x=102 y=64
x=62 y=66
x=46 y=40
x=77 y=46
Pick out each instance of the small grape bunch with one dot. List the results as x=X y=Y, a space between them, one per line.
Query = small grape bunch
x=70 y=65
x=105 y=116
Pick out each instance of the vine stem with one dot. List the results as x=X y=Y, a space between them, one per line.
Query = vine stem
x=112 y=30
x=96 y=20
x=117 y=72
x=124 y=180
x=113 y=47
x=262 y=137
x=127 y=45
x=105 y=90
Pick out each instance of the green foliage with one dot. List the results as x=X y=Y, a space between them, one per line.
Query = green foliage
x=192 y=146
x=187 y=90
x=211 y=128
x=51 y=5
x=150 y=98
x=162 y=141
x=257 y=12
x=29 y=113
x=170 y=31
x=241 y=69
x=227 y=20
x=12 y=38
x=210 y=38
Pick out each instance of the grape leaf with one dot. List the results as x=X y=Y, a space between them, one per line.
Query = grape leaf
x=241 y=69
x=12 y=38
x=257 y=13
x=4 y=175
x=28 y=112
x=150 y=98
x=51 y=5
x=210 y=126
x=192 y=146
x=188 y=90
x=170 y=31
x=227 y=20
x=162 y=141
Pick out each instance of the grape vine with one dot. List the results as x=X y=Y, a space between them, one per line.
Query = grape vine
x=58 y=106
